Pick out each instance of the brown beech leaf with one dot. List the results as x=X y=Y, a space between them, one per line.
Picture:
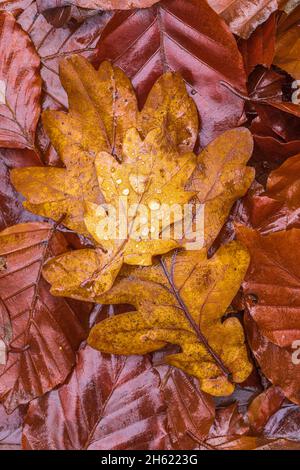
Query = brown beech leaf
x=263 y=407
x=40 y=334
x=54 y=44
x=190 y=411
x=10 y=429
x=271 y=291
x=221 y=177
x=97 y=4
x=276 y=208
x=244 y=16
x=108 y=402
x=20 y=85
x=181 y=300
x=187 y=37
x=285 y=423
x=259 y=48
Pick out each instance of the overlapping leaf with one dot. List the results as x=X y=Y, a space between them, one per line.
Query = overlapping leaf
x=272 y=286
x=243 y=16
x=117 y=402
x=187 y=37
x=222 y=177
x=40 y=333
x=181 y=301
x=20 y=85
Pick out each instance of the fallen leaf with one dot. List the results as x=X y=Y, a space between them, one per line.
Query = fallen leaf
x=271 y=291
x=277 y=207
x=97 y=4
x=263 y=407
x=221 y=177
x=11 y=429
x=186 y=37
x=152 y=171
x=259 y=48
x=176 y=303
x=20 y=85
x=190 y=411
x=108 y=402
x=284 y=424
x=41 y=333
x=244 y=16
x=287 y=51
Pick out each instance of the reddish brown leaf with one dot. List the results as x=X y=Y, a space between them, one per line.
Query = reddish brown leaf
x=285 y=423
x=53 y=44
x=41 y=333
x=109 y=402
x=271 y=290
x=263 y=407
x=259 y=48
x=14 y=6
x=10 y=429
x=97 y=4
x=190 y=411
x=20 y=85
x=277 y=208
x=243 y=16
x=181 y=36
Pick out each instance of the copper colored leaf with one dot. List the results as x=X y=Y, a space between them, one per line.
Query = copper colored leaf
x=190 y=411
x=271 y=289
x=97 y=4
x=186 y=37
x=20 y=85
x=263 y=407
x=276 y=208
x=259 y=48
x=244 y=16
x=41 y=333
x=109 y=402
x=181 y=301
x=54 y=44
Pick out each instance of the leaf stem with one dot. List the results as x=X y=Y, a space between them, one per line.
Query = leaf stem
x=194 y=325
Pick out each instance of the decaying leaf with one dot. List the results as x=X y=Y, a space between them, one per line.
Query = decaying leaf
x=271 y=289
x=98 y=132
x=222 y=177
x=180 y=300
x=244 y=16
x=20 y=85
x=117 y=402
x=186 y=37
x=97 y=4
x=41 y=333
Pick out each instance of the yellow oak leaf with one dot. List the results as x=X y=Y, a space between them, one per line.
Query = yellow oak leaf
x=221 y=177
x=181 y=299
x=149 y=180
x=102 y=108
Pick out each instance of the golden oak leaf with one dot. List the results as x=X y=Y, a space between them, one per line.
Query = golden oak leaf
x=102 y=108
x=221 y=177
x=150 y=178
x=181 y=299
